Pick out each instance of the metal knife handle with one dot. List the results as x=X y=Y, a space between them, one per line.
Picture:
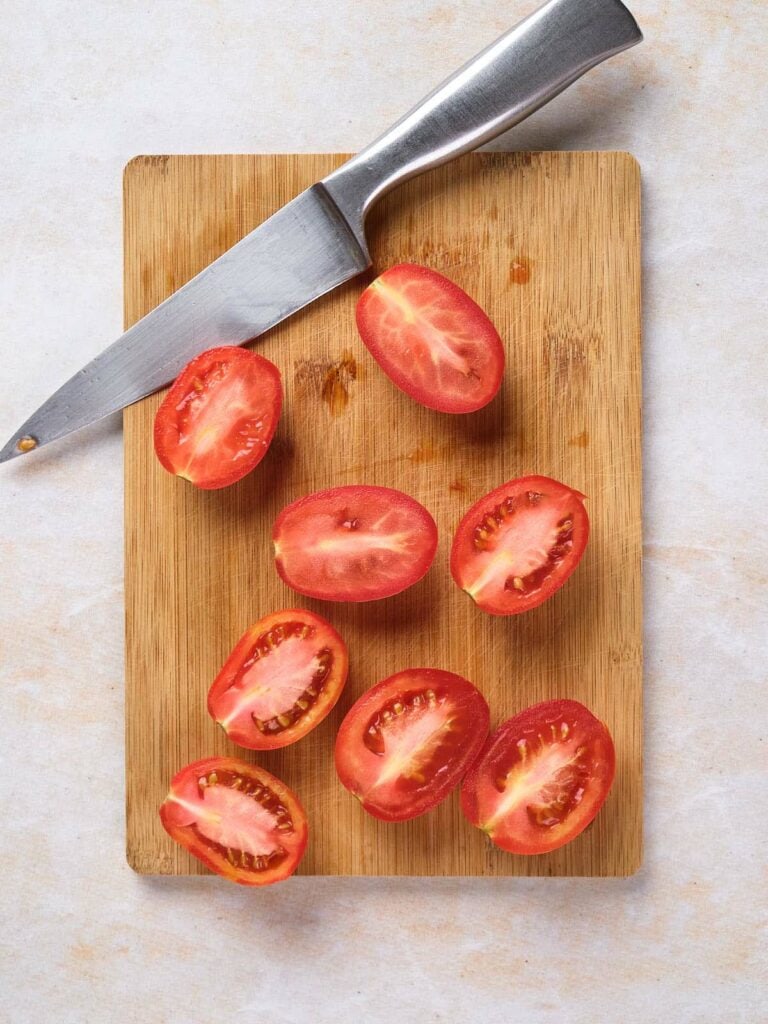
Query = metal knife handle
x=501 y=86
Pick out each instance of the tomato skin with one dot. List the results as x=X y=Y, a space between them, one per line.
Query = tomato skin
x=558 y=744
x=362 y=764
x=262 y=646
x=431 y=339
x=227 y=392
x=537 y=514
x=357 y=543
x=178 y=817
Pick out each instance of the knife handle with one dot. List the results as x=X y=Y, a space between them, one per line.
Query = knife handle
x=512 y=78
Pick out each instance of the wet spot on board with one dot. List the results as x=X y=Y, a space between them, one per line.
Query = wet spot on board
x=520 y=270
x=331 y=380
x=580 y=440
x=458 y=486
x=423 y=452
x=568 y=343
x=282 y=447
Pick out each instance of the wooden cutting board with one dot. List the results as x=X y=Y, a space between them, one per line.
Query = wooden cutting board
x=549 y=245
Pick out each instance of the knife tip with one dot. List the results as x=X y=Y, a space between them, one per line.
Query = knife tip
x=19 y=444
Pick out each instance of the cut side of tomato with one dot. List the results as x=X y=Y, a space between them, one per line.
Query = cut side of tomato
x=431 y=339
x=281 y=680
x=219 y=417
x=355 y=543
x=408 y=741
x=236 y=818
x=519 y=544
x=541 y=779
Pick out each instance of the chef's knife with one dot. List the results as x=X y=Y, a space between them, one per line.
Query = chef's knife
x=317 y=241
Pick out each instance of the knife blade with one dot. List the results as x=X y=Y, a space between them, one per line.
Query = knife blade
x=317 y=241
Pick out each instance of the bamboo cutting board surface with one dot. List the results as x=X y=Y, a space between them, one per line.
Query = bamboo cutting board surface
x=549 y=245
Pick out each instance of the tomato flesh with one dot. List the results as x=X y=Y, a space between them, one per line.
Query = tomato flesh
x=519 y=544
x=542 y=778
x=431 y=339
x=280 y=681
x=407 y=742
x=219 y=417
x=355 y=543
x=238 y=819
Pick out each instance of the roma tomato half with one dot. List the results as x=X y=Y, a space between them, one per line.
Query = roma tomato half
x=219 y=417
x=281 y=680
x=236 y=818
x=519 y=544
x=542 y=778
x=354 y=543
x=408 y=741
x=431 y=339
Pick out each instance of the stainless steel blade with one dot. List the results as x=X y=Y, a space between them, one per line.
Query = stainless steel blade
x=298 y=254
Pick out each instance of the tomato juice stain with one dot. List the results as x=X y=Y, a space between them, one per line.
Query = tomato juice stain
x=520 y=270
x=332 y=379
x=424 y=452
x=459 y=486
x=580 y=440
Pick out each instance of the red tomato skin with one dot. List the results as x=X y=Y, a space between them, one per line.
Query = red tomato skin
x=327 y=635
x=172 y=817
x=351 y=755
x=358 y=499
x=471 y=316
x=181 y=393
x=462 y=550
x=477 y=791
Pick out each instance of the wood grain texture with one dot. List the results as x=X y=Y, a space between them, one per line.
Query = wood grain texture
x=549 y=245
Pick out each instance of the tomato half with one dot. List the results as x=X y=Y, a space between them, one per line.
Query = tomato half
x=431 y=339
x=542 y=778
x=406 y=743
x=519 y=544
x=219 y=417
x=355 y=543
x=236 y=818
x=281 y=680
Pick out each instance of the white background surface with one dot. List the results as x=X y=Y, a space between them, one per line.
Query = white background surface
x=84 y=86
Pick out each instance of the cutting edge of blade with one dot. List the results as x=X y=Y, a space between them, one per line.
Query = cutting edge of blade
x=32 y=435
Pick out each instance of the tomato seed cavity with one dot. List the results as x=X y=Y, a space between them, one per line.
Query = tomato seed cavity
x=265 y=644
x=268 y=800
x=374 y=737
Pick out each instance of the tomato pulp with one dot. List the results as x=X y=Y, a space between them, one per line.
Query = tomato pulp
x=354 y=543
x=542 y=778
x=219 y=417
x=281 y=680
x=519 y=544
x=431 y=339
x=407 y=742
x=236 y=818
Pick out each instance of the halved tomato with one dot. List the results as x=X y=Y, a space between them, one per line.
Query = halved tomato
x=281 y=680
x=236 y=818
x=219 y=417
x=519 y=544
x=542 y=778
x=431 y=339
x=355 y=543
x=406 y=743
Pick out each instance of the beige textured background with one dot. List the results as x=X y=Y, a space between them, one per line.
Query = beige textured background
x=84 y=87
